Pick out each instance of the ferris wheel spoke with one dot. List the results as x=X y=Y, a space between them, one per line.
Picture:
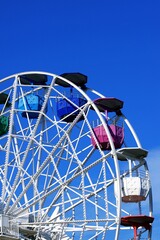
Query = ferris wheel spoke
x=8 y=187
x=40 y=169
x=24 y=158
x=63 y=180
x=43 y=196
x=48 y=186
x=9 y=142
x=81 y=201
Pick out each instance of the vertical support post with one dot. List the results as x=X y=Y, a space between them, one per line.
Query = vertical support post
x=135 y=232
x=106 y=114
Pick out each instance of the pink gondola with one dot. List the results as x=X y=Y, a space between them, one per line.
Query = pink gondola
x=117 y=132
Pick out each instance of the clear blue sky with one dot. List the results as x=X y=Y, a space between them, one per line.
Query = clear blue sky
x=115 y=43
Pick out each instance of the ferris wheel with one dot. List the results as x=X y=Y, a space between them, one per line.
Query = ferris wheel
x=71 y=164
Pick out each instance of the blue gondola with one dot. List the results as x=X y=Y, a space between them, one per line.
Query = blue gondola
x=66 y=109
x=30 y=105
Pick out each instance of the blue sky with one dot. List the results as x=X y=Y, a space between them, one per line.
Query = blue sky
x=115 y=43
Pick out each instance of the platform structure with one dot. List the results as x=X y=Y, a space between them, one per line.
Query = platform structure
x=136 y=222
x=9 y=229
